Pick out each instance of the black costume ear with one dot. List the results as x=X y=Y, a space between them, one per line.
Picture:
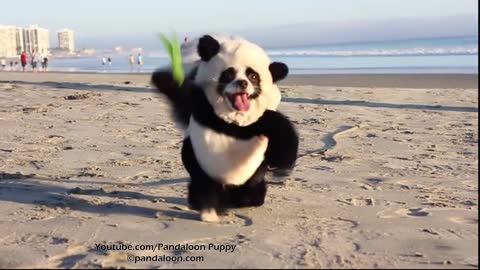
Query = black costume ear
x=208 y=47
x=278 y=70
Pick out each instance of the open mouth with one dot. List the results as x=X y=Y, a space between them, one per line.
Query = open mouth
x=240 y=101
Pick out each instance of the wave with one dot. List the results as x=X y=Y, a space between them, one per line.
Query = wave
x=377 y=52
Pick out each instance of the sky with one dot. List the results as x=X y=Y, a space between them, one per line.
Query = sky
x=106 y=22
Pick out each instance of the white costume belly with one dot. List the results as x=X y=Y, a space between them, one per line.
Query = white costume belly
x=226 y=159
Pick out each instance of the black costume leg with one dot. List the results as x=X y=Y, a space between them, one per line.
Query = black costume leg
x=204 y=194
x=252 y=193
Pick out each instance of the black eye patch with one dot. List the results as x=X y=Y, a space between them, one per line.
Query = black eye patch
x=227 y=76
x=253 y=76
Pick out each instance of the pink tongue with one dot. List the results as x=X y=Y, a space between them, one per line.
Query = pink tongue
x=241 y=102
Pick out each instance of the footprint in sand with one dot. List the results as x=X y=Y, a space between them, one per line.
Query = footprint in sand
x=28 y=110
x=404 y=212
x=81 y=96
x=417 y=212
x=236 y=219
x=358 y=201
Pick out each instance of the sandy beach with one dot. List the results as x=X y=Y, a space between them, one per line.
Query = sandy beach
x=386 y=178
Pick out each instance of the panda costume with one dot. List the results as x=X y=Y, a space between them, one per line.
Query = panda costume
x=233 y=133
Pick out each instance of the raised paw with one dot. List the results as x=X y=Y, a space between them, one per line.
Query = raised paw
x=163 y=80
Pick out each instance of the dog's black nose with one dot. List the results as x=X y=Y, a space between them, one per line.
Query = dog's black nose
x=242 y=84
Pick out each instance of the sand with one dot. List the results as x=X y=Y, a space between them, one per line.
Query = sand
x=387 y=176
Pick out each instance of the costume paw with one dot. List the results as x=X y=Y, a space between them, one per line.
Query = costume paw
x=209 y=215
x=281 y=172
x=163 y=80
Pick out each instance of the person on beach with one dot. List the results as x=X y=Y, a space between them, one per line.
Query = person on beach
x=3 y=63
x=139 y=62
x=24 y=60
x=109 y=62
x=104 y=62
x=44 y=63
x=35 y=60
x=11 y=65
x=131 y=61
x=184 y=44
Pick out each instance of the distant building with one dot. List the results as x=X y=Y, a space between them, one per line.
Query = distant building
x=20 y=44
x=66 y=40
x=11 y=41
x=36 y=38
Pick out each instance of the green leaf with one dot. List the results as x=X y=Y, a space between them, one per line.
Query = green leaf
x=172 y=47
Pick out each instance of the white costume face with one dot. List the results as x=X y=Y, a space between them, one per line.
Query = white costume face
x=238 y=82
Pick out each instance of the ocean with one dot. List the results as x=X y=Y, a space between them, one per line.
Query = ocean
x=432 y=55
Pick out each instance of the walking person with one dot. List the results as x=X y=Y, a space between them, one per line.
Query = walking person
x=131 y=61
x=3 y=63
x=35 y=61
x=184 y=44
x=11 y=65
x=24 y=60
x=109 y=63
x=139 y=62
x=44 y=63
x=104 y=62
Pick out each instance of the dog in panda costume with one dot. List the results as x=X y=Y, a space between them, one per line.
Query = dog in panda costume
x=234 y=134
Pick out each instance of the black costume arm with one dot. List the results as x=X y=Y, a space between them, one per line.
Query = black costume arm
x=282 y=141
x=179 y=96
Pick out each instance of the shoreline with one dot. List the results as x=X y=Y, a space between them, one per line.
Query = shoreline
x=332 y=80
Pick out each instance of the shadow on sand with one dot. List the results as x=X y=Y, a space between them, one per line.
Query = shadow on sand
x=371 y=104
x=27 y=189
x=361 y=103
x=84 y=86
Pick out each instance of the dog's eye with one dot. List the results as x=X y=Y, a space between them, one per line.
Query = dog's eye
x=253 y=76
